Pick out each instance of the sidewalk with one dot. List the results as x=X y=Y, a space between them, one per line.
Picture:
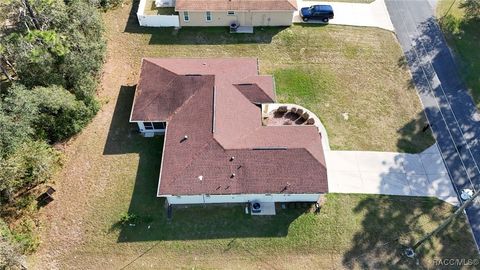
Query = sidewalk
x=390 y=173
x=374 y=14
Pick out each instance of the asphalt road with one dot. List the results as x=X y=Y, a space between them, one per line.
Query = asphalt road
x=450 y=110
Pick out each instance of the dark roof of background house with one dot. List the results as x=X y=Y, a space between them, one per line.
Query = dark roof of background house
x=224 y=5
x=212 y=102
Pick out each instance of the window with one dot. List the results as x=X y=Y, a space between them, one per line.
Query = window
x=208 y=16
x=186 y=17
x=158 y=125
x=148 y=125
x=230 y=12
x=153 y=125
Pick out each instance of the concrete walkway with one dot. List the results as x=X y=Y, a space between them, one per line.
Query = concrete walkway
x=390 y=173
x=374 y=14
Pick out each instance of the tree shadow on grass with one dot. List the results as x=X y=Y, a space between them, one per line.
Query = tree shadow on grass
x=392 y=223
x=416 y=135
x=198 y=35
x=192 y=222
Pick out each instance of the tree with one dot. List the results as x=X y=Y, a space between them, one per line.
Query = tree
x=18 y=112
x=37 y=56
x=69 y=50
x=33 y=17
x=61 y=115
x=87 y=51
x=33 y=14
x=52 y=51
x=32 y=163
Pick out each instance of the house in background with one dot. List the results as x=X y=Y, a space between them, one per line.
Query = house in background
x=221 y=145
x=243 y=13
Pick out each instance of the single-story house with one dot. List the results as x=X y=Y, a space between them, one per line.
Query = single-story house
x=217 y=149
x=241 y=12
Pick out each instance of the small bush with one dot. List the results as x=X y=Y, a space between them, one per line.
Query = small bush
x=127 y=218
x=10 y=256
x=25 y=202
x=25 y=235
x=107 y=4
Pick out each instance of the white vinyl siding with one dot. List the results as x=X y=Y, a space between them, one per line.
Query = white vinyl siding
x=242 y=198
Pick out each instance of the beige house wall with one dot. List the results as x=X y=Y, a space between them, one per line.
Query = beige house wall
x=245 y=18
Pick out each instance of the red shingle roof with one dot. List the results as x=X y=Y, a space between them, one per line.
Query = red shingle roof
x=221 y=121
x=235 y=5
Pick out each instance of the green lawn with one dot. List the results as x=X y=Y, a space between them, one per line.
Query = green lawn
x=463 y=36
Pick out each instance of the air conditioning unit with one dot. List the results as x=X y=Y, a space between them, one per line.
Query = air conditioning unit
x=255 y=207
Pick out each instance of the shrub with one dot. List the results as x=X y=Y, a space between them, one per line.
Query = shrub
x=61 y=114
x=32 y=163
x=26 y=202
x=26 y=236
x=127 y=218
x=10 y=256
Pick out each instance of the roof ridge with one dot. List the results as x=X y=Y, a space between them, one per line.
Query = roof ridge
x=159 y=93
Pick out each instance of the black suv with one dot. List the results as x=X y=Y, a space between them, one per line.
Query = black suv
x=317 y=12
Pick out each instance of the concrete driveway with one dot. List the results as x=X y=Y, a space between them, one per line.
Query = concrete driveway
x=374 y=14
x=389 y=173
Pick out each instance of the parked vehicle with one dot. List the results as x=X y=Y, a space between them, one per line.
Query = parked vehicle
x=317 y=12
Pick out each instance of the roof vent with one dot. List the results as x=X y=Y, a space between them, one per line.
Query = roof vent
x=200 y=177
x=184 y=138
x=232 y=158
x=232 y=175
x=270 y=148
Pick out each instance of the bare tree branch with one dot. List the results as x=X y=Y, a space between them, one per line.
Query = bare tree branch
x=32 y=14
